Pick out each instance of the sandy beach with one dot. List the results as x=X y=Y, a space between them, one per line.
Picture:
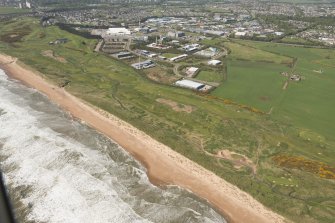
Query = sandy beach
x=164 y=166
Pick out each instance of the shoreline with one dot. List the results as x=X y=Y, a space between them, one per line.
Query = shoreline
x=164 y=165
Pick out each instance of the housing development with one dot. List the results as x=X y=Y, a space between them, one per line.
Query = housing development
x=243 y=89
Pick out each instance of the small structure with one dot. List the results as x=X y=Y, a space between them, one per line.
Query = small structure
x=162 y=57
x=143 y=65
x=118 y=31
x=239 y=34
x=191 y=47
x=190 y=84
x=123 y=55
x=158 y=46
x=295 y=77
x=214 y=62
x=177 y=34
x=59 y=41
x=147 y=53
x=28 y=4
x=191 y=71
x=177 y=58
x=176 y=42
x=285 y=74
x=214 y=32
x=208 y=53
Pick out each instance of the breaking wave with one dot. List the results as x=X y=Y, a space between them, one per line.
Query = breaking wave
x=57 y=169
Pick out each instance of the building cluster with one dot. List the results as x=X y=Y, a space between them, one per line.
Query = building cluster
x=152 y=36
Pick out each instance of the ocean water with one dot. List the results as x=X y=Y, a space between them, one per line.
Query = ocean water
x=57 y=169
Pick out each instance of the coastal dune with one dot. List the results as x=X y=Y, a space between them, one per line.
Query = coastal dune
x=164 y=165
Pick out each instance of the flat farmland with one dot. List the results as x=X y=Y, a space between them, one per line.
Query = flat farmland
x=256 y=84
x=210 y=76
x=249 y=53
x=309 y=103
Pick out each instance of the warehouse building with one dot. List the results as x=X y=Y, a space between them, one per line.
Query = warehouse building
x=143 y=65
x=123 y=55
x=189 y=84
x=117 y=35
x=191 y=71
x=177 y=58
x=214 y=62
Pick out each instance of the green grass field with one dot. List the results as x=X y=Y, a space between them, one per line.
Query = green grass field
x=312 y=98
x=170 y=55
x=257 y=84
x=296 y=40
x=301 y=123
x=9 y=10
x=249 y=53
x=210 y=76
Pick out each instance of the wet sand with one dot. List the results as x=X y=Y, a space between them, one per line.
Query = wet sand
x=164 y=166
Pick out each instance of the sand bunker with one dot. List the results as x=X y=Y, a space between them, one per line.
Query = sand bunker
x=238 y=160
x=176 y=106
x=50 y=54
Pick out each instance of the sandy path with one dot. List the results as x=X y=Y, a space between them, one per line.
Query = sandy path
x=164 y=165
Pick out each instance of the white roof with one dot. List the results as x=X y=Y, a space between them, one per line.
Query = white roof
x=178 y=57
x=214 y=62
x=189 y=84
x=240 y=33
x=192 y=69
x=118 y=31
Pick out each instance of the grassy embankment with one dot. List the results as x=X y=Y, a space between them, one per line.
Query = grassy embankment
x=303 y=195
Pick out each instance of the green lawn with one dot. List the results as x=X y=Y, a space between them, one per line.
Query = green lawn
x=303 y=111
x=170 y=55
x=311 y=99
x=210 y=76
x=296 y=40
x=249 y=53
x=9 y=10
x=256 y=84
x=214 y=41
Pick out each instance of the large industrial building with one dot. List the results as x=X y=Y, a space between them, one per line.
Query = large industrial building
x=117 y=35
x=189 y=84
x=143 y=65
x=214 y=62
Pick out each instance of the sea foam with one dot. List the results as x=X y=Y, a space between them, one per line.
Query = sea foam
x=74 y=174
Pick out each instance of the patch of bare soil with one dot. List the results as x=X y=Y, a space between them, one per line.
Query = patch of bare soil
x=264 y=98
x=238 y=160
x=285 y=85
x=50 y=54
x=176 y=106
x=160 y=75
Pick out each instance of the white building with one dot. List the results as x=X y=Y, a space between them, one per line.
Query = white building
x=118 y=31
x=177 y=58
x=191 y=71
x=189 y=84
x=214 y=62
x=240 y=34
x=117 y=35
x=28 y=4
x=143 y=65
